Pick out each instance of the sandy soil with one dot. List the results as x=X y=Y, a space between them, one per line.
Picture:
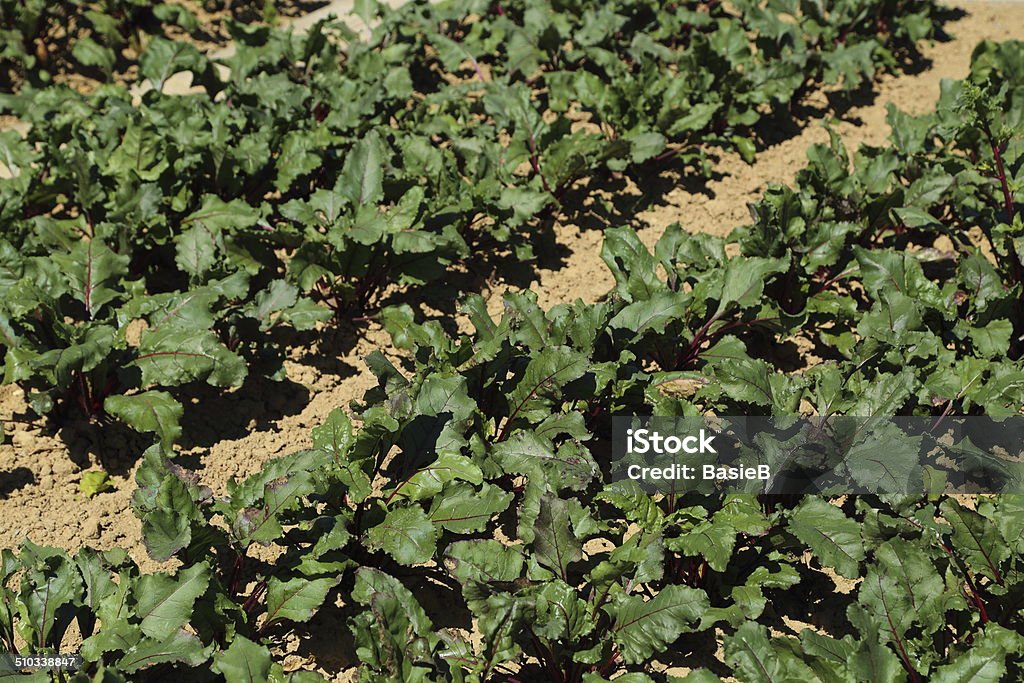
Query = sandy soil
x=232 y=435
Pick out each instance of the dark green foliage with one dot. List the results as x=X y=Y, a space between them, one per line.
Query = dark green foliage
x=477 y=470
x=156 y=240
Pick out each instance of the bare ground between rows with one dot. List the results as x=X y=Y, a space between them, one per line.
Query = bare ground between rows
x=233 y=435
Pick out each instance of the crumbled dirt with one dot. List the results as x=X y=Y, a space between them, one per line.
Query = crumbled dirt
x=233 y=435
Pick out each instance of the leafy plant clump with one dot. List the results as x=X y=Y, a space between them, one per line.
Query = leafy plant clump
x=156 y=240
x=476 y=479
x=87 y=43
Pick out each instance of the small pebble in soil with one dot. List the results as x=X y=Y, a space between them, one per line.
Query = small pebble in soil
x=64 y=466
x=91 y=528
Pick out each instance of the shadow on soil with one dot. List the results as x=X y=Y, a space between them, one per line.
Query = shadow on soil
x=210 y=415
x=816 y=595
x=213 y=415
x=12 y=480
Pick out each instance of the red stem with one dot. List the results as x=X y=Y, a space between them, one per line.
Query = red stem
x=1008 y=206
x=535 y=163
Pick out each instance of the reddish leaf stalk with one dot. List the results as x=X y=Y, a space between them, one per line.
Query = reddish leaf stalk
x=535 y=164
x=609 y=664
x=254 y=598
x=1008 y=205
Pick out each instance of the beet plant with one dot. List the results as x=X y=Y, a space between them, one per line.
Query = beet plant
x=463 y=519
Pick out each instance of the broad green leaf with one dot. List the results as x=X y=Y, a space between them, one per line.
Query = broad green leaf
x=217 y=215
x=484 y=560
x=745 y=279
x=903 y=589
x=90 y=53
x=51 y=583
x=757 y=658
x=140 y=154
x=296 y=599
x=258 y=521
x=164 y=602
x=546 y=375
x=405 y=533
x=363 y=171
x=370 y=581
x=428 y=481
x=153 y=412
x=651 y=314
x=462 y=508
x=976 y=539
x=555 y=544
x=985 y=661
x=243 y=662
x=645 y=627
x=93 y=272
x=181 y=647
x=170 y=357
x=830 y=534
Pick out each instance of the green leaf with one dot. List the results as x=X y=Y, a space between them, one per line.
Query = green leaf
x=94 y=483
x=163 y=58
x=169 y=357
x=164 y=602
x=484 y=560
x=370 y=581
x=275 y=493
x=463 y=508
x=643 y=628
x=334 y=436
x=428 y=481
x=976 y=539
x=181 y=647
x=831 y=535
x=243 y=662
x=554 y=544
x=50 y=583
x=362 y=175
x=529 y=453
x=90 y=53
x=393 y=634
x=547 y=373
x=167 y=523
x=631 y=264
x=985 y=661
x=757 y=658
x=407 y=534
x=745 y=279
x=93 y=271
x=296 y=599
x=153 y=412
x=197 y=250
x=217 y=215
x=651 y=314
x=140 y=155
x=903 y=589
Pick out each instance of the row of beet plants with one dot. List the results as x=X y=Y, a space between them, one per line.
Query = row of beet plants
x=87 y=42
x=467 y=529
x=157 y=240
